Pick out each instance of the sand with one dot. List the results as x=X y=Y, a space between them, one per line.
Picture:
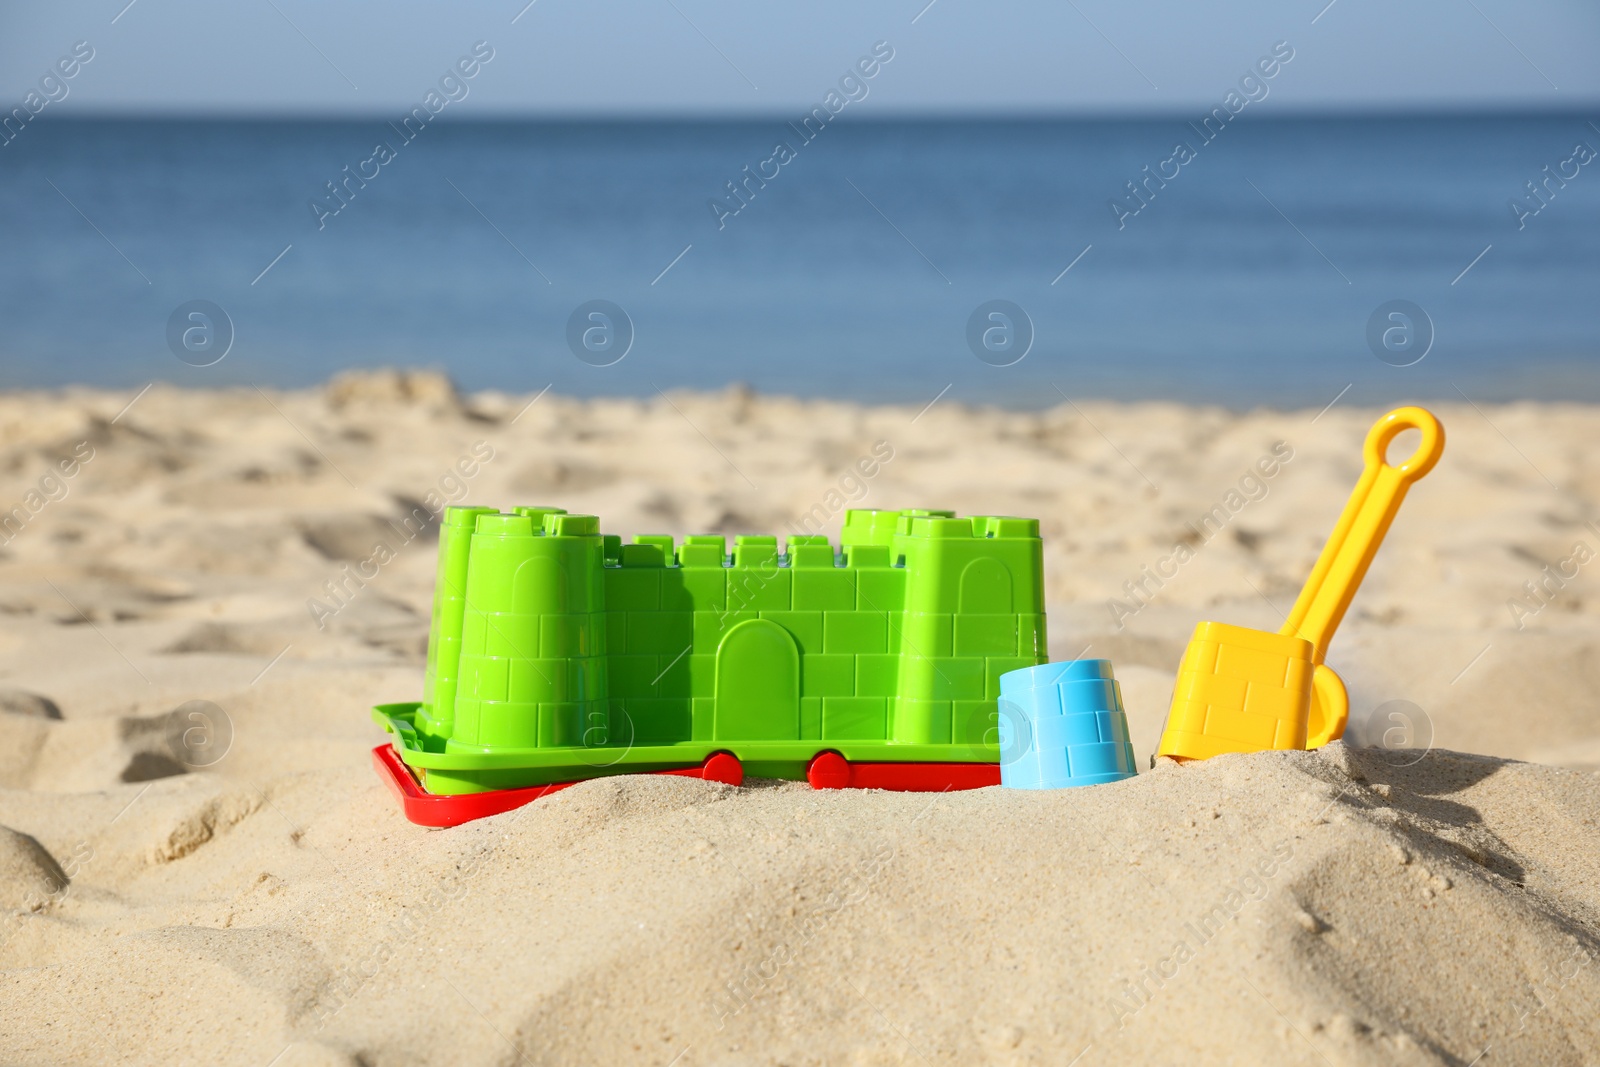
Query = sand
x=233 y=884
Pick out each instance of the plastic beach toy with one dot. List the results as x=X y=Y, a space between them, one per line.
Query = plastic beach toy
x=1062 y=725
x=1244 y=690
x=559 y=654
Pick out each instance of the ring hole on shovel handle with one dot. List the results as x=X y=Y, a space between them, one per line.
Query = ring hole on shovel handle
x=1403 y=444
x=1417 y=426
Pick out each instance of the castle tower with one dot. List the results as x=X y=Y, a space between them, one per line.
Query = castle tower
x=974 y=604
x=532 y=659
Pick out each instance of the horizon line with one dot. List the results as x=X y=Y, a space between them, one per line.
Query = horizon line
x=1128 y=114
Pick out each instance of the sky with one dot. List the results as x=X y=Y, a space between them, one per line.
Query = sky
x=720 y=58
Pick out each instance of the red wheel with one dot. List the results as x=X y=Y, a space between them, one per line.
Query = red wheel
x=828 y=770
x=723 y=767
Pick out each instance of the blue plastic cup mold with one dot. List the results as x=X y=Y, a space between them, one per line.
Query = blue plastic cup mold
x=1061 y=725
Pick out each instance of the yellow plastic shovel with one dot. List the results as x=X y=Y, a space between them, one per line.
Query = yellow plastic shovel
x=1243 y=690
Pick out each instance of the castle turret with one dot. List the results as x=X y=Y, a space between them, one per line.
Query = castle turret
x=973 y=607
x=532 y=671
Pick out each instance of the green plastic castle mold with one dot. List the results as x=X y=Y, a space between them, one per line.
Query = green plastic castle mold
x=558 y=653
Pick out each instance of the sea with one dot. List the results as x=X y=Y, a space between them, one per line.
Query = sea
x=1279 y=261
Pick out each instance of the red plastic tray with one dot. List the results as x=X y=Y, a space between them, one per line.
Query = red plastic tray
x=426 y=809
x=828 y=770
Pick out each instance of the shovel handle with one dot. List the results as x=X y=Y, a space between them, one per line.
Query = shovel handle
x=1359 y=532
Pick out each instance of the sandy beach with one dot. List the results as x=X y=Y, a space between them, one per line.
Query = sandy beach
x=201 y=865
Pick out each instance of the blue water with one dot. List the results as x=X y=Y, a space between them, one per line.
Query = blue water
x=1250 y=278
